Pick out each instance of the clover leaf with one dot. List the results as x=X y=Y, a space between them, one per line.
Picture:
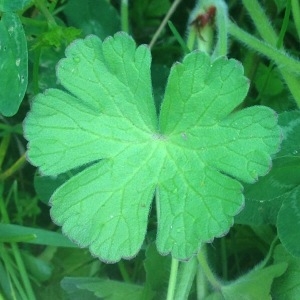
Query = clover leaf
x=188 y=157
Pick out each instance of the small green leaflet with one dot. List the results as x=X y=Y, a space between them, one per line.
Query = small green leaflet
x=188 y=157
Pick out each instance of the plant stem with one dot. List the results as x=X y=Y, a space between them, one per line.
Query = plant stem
x=285 y=24
x=52 y=5
x=123 y=271
x=201 y=284
x=32 y=22
x=3 y=148
x=261 y=21
x=15 y=167
x=270 y=253
x=296 y=15
x=221 y=47
x=164 y=22
x=202 y=259
x=186 y=276
x=267 y=32
x=124 y=16
x=11 y=128
x=283 y=60
x=172 y=279
x=293 y=83
x=224 y=259
x=40 y=4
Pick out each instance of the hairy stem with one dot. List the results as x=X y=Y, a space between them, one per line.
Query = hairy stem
x=261 y=21
x=186 y=276
x=202 y=259
x=267 y=32
x=283 y=60
x=124 y=16
x=172 y=279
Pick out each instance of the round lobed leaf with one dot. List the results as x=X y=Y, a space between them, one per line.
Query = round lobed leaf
x=191 y=157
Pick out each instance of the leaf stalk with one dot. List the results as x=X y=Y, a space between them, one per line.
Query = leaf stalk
x=172 y=279
x=124 y=16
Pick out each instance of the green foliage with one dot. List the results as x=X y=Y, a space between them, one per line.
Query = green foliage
x=157 y=268
x=16 y=233
x=276 y=195
x=56 y=36
x=251 y=283
x=13 y=5
x=112 y=119
x=147 y=13
x=14 y=63
x=143 y=151
x=287 y=286
x=87 y=16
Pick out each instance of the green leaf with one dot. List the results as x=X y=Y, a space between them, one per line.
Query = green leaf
x=5 y=282
x=72 y=287
x=102 y=288
x=13 y=63
x=281 y=4
x=146 y=13
x=93 y=17
x=254 y=285
x=290 y=124
x=188 y=157
x=46 y=185
x=268 y=194
x=155 y=8
x=17 y=233
x=287 y=286
x=13 y=5
x=37 y=267
x=157 y=269
x=288 y=223
x=268 y=82
x=289 y=214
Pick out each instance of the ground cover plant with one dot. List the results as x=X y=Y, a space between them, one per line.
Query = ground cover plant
x=149 y=149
